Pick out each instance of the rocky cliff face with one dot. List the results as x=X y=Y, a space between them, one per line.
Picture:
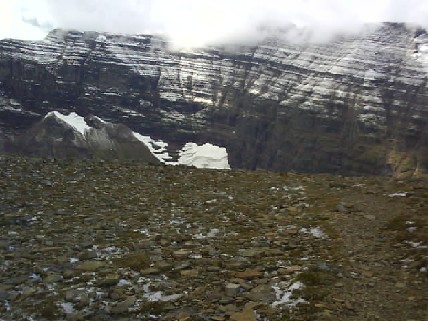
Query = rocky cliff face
x=358 y=104
x=72 y=136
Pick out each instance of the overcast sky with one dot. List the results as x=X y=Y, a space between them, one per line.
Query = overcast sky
x=201 y=22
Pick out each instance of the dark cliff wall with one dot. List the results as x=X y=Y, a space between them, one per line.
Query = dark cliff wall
x=358 y=105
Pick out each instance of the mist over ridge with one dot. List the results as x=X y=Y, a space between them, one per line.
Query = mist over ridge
x=191 y=23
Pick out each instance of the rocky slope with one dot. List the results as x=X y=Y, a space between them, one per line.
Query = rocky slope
x=72 y=136
x=108 y=241
x=355 y=105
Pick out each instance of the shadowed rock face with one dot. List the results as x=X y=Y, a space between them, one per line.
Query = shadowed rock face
x=357 y=105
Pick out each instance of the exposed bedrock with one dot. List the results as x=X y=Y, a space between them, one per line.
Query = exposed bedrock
x=356 y=105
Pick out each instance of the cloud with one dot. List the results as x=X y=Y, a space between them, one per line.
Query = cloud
x=17 y=19
x=203 y=22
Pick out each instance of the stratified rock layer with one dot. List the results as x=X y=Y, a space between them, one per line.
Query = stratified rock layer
x=355 y=105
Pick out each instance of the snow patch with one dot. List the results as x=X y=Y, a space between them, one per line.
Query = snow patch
x=417 y=245
x=67 y=307
x=157 y=147
x=314 y=231
x=212 y=233
x=421 y=54
x=123 y=282
x=101 y=38
x=204 y=156
x=157 y=296
x=73 y=120
x=202 y=100
x=399 y=194
x=284 y=292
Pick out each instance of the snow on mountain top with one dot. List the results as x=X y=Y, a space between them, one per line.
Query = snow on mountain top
x=73 y=119
x=204 y=156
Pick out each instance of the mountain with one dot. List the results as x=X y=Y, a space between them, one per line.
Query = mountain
x=72 y=136
x=355 y=105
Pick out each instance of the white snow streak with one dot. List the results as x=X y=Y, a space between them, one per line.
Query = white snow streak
x=157 y=147
x=74 y=120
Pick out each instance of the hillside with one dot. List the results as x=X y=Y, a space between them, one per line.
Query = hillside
x=97 y=240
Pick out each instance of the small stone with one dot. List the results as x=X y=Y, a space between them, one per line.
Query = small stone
x=189 y=273
x=26 y=292
x=68 y=274
x=229 y=308
x=123 y=306
x=342 y=208
x=109 y=280
x=232 y=289
x=181 y=253
x=90 y=266
x=262 y=293
x=149 y=271
x=250 y=252
x=117 y=294
x=367 y=274
x=88 y=255
x=213 y=269
x=183 y=316
x=245 y=315
x=163 y=266
x=72 y=295
x=293 y=269
x=4 y=295
x=52 y=278
x=292 y=209
x=249 y=274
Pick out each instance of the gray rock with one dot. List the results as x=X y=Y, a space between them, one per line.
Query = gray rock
x=87 y=255
x=123 y=306
x=262 y=293
x=341 y=207
x=90 y=266
x=4 y=295
x=232 y=289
